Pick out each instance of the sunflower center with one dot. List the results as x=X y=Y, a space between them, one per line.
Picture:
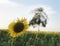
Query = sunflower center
x=18 y=27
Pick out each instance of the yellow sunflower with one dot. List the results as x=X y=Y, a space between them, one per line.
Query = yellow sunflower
x=18 y=28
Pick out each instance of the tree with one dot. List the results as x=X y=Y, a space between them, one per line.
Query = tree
x=40 y=17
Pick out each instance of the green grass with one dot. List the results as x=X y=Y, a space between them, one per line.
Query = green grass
x=31 y=39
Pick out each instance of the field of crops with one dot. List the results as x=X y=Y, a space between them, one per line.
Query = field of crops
x=30 y=39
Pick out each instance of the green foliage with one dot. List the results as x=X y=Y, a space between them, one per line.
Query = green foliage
x=30 y=39
x=4 y=38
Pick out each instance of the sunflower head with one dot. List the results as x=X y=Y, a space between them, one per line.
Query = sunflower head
x=18 y=28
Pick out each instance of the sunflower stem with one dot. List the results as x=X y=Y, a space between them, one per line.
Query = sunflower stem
x=12 y=42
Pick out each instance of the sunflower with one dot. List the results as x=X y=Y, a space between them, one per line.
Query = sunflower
x=18 y=28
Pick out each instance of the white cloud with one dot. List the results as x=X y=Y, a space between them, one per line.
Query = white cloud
x=3 y=1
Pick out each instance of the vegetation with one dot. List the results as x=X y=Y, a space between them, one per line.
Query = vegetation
x=31 y=39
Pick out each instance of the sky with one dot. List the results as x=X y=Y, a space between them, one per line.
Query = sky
x=11 y=9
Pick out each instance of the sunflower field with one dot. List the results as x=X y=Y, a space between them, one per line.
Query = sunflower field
x=30 y=39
